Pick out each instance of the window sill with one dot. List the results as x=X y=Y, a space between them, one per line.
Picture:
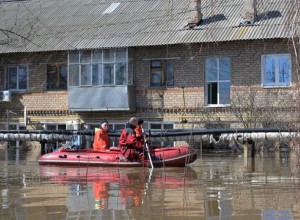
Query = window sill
x=217 y=106
x=56 y=90
x=276 y=86
x=18 y=91
x=160 y=87
x=97 y=86
x=157 y=87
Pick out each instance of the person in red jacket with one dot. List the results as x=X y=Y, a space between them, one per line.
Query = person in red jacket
x=139 y=132
x=128 y=143
x=101 y=140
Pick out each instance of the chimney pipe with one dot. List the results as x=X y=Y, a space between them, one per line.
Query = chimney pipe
x=249 y=11
x=194 y=16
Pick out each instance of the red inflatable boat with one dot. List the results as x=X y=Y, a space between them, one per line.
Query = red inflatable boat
x=169 y=157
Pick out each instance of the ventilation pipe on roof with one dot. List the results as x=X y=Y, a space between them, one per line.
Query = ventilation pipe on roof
x=249 y=12
x=194 y=13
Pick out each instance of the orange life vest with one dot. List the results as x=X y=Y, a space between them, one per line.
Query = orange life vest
x=101 y=140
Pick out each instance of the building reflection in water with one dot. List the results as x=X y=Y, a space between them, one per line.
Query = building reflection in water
x=218 y=205
x=214 y=187
x=263 y=188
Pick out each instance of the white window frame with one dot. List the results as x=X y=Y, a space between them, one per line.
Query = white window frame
x=112 y=126
x=276 y=58
x=163 y=125
x=91 y=126
x=218 y=81
x=18 y=128
x=115 y=61
x=49 y=145
x=7 y=77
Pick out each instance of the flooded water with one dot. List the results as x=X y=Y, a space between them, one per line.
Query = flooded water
x=216 y=186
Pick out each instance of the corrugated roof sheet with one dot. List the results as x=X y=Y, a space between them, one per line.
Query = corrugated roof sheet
x=50 y=25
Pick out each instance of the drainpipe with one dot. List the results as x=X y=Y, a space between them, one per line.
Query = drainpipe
x=194 y=13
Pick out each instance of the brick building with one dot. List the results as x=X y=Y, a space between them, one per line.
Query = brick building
x=177 y=64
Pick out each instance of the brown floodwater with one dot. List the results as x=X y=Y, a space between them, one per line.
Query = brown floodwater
x=217 y=185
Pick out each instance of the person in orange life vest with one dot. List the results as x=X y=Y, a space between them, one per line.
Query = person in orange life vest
x=101 y=140
x=139 y=132
x=128 y=143
x=101 y=194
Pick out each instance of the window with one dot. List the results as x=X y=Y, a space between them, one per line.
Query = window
x=276 y=70
x=17 y=77
x=51 y=146
x=161 y=73
x=57 y=77
x=158 y=127
x=114 y=127
x=98 y=67
x=118 y=127
x=217 y=81
x=17 y=127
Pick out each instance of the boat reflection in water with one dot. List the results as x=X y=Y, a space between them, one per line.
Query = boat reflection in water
x=92 y=188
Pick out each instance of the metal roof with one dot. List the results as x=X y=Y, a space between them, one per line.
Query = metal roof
x=54 y=25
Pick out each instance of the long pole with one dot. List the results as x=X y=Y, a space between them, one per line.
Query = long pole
x=147 y=149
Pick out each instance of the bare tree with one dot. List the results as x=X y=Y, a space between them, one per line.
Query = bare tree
x=295 y=39
x=256 y=109
x=13 y=30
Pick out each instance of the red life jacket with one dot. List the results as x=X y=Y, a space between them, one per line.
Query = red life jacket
x=128 y=138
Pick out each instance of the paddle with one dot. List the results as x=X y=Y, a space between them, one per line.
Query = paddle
x=147 y=148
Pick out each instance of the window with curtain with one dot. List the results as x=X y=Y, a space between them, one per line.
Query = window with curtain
x=276 y=70
x=161 y=73
x=57 y=75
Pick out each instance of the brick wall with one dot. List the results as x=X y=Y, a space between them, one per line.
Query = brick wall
x=189 y=74
x=184 y=99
